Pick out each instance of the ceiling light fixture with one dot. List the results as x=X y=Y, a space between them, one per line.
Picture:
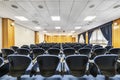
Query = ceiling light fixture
x=89 y=18
x=57 y=27
x=77 y=27
x=72 y=31
x=70 y=34
x=44 y=31
x=38 y=27
x=55 y=18
x=21 y=18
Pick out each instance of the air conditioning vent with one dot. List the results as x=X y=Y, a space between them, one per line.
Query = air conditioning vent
x=91 y=6
x=117 y=6
x=14 y=6
x=6 y=0
x=40 y=6
x=35 y=22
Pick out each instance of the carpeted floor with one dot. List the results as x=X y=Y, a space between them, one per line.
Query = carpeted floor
x=58 y=77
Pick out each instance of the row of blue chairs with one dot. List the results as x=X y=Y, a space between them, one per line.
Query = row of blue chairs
x=49 y=65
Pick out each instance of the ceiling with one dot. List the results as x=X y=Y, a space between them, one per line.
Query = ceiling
x=71 y=12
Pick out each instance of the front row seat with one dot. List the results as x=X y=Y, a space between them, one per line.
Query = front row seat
x=106 y=64
x=47 y=64
x=18 y=65
x=77 y=64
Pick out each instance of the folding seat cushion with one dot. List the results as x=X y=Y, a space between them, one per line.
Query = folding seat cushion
x=6 y=52
x=69 y=51
x=77 y=64
x=54 y=51
x=106 y=64
x=47 y=64
x=38 y=51
x=18 y=64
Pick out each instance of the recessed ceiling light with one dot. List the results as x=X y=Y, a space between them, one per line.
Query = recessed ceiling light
x=72 y=31
x=89 y=18
x=44 y=31
x=21 y=18
x=55 y=18
x=69 y=34
x=38 y=27
x=117 y=6
x=57 y=27
x=77 y=27
x=14 y=6
x=40 y=6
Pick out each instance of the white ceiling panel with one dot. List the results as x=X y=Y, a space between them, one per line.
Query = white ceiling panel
x=88 y=12
x=36 y=0
x=41 y=12
x=27 y=6
x=53 y=7
x=106 y=4
x=78 y=7
x=71 y=12
x=51 y=0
